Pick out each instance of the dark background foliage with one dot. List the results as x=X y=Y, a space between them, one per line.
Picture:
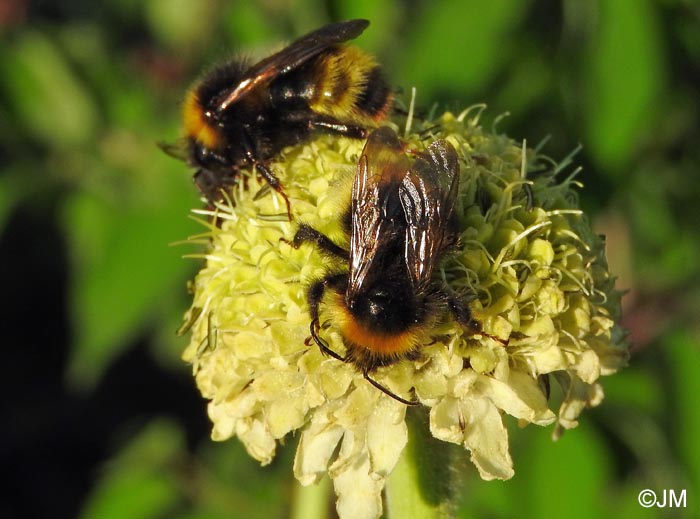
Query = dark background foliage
x=100 y=418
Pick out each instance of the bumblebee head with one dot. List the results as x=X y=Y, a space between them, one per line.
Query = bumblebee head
x=201 y=120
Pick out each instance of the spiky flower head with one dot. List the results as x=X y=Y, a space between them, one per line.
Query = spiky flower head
x=526 y=251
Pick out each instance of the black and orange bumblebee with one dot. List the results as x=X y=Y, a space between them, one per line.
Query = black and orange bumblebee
x=241 y=115
x=401 y=224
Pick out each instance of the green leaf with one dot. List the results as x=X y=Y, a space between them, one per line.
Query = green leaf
x=459 y=46
x=236 y=485
x=567 y=478
x=181 y=24
x=633 y=387
x=123 y=268
x=624 y=77
x=138 y=482
x=385 y=21
x=684 y=359
x=49 y=99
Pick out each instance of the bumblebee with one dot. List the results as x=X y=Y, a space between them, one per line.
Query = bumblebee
x=240 y=115
x=401 y=224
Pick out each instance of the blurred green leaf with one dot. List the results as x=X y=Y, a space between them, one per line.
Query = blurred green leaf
x=134 y=495
x=634 y=387
x=684 y=358
x=384 y=24
x=9 y=197
x=50 y=100
x=487 y=499
x=566 y=478
x=528 y=80
x=666 y=252
x=458 y=46
x=248 y=24
x=180 y=24
x=623 y=79
x=137 y=483
x=311 y=501
x=235 y=484
x=123 y=267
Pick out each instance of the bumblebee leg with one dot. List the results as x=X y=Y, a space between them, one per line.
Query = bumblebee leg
x=306 y=234
x=314 y=295
x=314 y=328
x=264 y=171
x=275 y=184
x=387 y=391
x=333 y=126
x=460 y=311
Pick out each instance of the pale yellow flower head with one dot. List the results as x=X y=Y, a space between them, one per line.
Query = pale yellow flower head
x=527 y=252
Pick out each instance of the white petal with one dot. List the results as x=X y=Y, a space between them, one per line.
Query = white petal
x=387 y=435
x=257 y=440
x=587 y=366
x=359 y=492
x=487 y=439
x=446 y=422
x=520 y=397
x=314 y=452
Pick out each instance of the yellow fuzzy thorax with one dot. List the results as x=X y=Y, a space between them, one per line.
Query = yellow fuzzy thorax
x=195 y=123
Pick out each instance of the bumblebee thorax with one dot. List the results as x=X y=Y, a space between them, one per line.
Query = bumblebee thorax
x=200 y=123
x=383 y=309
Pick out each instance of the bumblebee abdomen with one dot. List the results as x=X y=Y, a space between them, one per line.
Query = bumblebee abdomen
x=349 y=85
x=368 y=341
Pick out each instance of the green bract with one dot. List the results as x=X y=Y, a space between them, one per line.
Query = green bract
x=527 y=252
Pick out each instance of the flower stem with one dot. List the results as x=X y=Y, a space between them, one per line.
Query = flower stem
x=311 y=502
x=421 y=485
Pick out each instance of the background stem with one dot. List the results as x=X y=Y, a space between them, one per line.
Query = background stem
x=311 y=502
x=422 y=485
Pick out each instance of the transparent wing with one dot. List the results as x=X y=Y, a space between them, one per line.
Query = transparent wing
x=375 y=203
x=428 y=194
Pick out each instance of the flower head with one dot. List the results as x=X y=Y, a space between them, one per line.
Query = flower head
x=526 y=252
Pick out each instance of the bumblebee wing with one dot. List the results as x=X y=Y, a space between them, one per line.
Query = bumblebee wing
x=428 y=194
x=375 y=203
x=179 y=149
x=295 y=54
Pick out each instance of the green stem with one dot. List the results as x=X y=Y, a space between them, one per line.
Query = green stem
x=311 y=502
x=421 y=486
